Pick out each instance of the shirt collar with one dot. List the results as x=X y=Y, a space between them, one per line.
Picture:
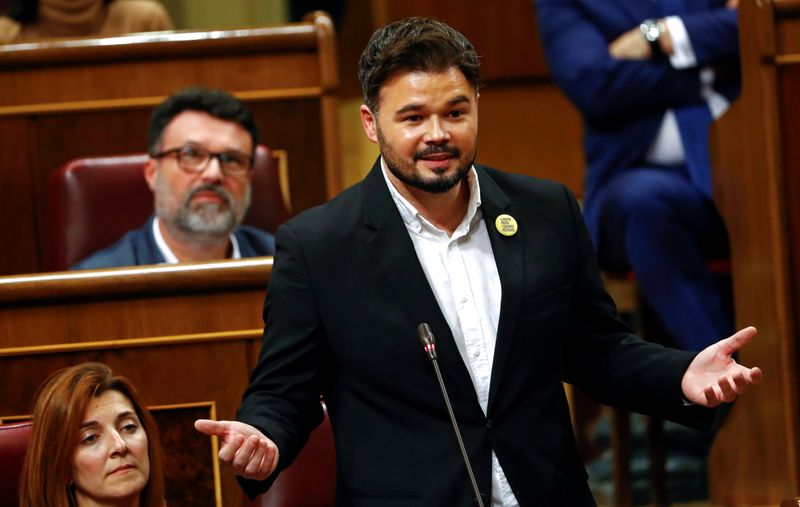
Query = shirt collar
x=169 y=255
x=411 y=216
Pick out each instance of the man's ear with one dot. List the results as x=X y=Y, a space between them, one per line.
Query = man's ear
x=370 y=123
x=150 y=173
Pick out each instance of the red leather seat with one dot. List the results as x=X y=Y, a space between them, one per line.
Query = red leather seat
x=13 y=445
x=93 y=202
x=311 y=480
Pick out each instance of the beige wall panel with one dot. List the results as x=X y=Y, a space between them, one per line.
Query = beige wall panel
x=210 y=14
x=533 y=130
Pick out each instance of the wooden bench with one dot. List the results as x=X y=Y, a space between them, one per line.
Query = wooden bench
x=92 y=97
x=755 y=459
x=186 y=335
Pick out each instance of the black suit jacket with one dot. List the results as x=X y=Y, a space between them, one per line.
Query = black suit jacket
x=345 y=297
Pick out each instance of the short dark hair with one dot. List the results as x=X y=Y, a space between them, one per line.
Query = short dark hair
x=414 y=44
x=216 y=103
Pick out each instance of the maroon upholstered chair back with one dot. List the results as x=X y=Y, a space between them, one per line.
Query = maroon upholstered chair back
x=311 y=480
x=94 y=201
x=13 y=445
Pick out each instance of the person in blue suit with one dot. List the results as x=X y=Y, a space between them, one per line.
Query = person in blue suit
x=649 y=77
x=202 y=142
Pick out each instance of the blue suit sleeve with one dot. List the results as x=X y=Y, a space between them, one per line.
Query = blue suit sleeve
x=602 y=86
x=714 y=35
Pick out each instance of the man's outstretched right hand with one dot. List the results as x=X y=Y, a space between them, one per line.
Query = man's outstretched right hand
x=244 y=448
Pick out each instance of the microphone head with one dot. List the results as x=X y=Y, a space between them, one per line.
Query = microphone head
x=427 y=340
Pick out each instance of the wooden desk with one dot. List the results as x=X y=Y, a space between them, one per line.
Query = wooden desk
x=69 y=99
x=756 y=457
x=183 y=334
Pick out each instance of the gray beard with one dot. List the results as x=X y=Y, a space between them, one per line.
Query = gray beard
x=207 y=219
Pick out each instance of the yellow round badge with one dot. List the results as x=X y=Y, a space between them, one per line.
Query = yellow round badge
x=506 y=225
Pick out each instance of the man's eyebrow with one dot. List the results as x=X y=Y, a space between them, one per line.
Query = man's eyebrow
x=199 y=146
x=416 y=107
x=409 y=107
x=457 y=100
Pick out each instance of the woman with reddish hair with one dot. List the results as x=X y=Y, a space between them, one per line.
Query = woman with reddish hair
x=93 y=443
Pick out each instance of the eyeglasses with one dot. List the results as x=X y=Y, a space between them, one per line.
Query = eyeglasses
x=193 y=159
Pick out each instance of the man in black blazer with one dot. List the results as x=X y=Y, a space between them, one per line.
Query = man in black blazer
x=501 y=268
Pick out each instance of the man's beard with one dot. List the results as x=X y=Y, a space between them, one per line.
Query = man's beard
x=211 y=219
x=410 y=175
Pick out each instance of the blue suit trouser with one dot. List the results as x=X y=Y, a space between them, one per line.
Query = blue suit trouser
x=655 y=222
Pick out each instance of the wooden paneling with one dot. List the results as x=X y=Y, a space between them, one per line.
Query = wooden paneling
x=296 y=126
x=182 y=334
x=789 y=98
x=63 y=100
x=787 y=30
x=755 y=459
x=503 y=32
x=532 y=130
x=18 y=214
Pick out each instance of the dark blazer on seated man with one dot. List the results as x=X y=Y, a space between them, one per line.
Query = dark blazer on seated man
x=139 y=247
x=201 y=145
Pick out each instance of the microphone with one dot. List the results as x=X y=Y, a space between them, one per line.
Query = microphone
x=428 y=341
x=429 y=344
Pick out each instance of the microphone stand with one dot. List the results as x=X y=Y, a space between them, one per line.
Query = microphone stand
x=429 y=344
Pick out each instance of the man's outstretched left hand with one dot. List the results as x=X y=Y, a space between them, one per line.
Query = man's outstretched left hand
x=714 y=377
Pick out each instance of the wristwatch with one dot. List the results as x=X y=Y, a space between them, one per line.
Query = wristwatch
x=651 y=31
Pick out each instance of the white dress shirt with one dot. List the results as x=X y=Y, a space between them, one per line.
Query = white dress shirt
x=667 y=147
x=462 y=273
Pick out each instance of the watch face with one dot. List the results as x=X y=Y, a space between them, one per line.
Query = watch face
x=652 y=33
x=651 y=29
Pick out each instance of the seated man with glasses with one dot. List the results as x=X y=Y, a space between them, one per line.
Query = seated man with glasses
x=201 y=142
